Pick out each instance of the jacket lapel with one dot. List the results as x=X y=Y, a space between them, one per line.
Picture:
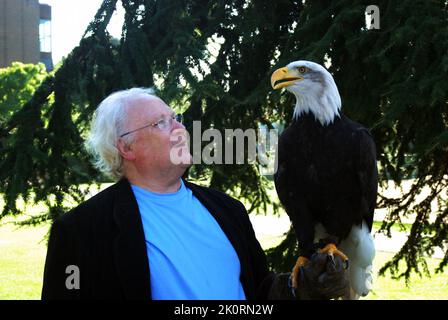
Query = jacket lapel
x=130 y=247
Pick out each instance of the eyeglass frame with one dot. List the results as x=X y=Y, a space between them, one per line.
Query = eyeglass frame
x=178 y=117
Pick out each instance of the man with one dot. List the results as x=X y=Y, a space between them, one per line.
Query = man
x=153 y=235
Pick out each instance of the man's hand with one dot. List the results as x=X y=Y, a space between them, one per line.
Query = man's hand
x=322 y=279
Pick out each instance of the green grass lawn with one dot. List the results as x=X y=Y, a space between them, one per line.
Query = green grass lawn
x=22 y=258
x=384 y=288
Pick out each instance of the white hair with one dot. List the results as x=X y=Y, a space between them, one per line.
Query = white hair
x=108 y=124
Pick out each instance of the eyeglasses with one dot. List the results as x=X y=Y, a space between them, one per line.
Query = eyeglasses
x=164 y=124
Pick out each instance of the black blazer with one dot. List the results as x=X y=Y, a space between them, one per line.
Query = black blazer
x=104 y=238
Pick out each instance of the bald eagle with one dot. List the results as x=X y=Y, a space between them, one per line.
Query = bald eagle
x=327 y=175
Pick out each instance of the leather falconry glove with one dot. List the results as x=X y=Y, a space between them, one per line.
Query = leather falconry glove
x=320 y=279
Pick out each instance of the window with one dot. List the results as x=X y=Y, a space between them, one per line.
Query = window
x=45 y=35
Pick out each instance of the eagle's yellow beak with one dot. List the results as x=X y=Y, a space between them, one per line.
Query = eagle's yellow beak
x=283 y=77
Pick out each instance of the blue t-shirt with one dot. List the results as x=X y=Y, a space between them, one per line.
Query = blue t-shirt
x=189 y=255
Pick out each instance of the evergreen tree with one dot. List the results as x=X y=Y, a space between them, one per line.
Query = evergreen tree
x=17 y=85
x=213 y=60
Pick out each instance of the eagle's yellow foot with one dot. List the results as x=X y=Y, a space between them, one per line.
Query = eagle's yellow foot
x=301 y=261
x=332 y=250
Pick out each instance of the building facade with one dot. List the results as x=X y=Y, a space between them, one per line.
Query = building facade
x=25 y=32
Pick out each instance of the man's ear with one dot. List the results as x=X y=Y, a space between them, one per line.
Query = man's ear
x=125 y=150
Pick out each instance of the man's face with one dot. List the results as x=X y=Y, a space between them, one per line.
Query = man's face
x=152 y=146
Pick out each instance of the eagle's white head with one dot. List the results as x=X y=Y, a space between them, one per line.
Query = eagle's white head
x=314 y=88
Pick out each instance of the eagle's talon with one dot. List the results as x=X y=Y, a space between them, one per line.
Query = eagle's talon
x=302 y=273
x=331 y=260
x=297 y=271
x=346 y=264
x=332 y=250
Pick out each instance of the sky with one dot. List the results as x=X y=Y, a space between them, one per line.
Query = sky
x=70 y=19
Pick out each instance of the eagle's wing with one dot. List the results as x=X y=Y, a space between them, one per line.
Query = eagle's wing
x=290 y=191
x=367 y=174
x=281 y=177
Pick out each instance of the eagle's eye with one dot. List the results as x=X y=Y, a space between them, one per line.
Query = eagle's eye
x=302 y=69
